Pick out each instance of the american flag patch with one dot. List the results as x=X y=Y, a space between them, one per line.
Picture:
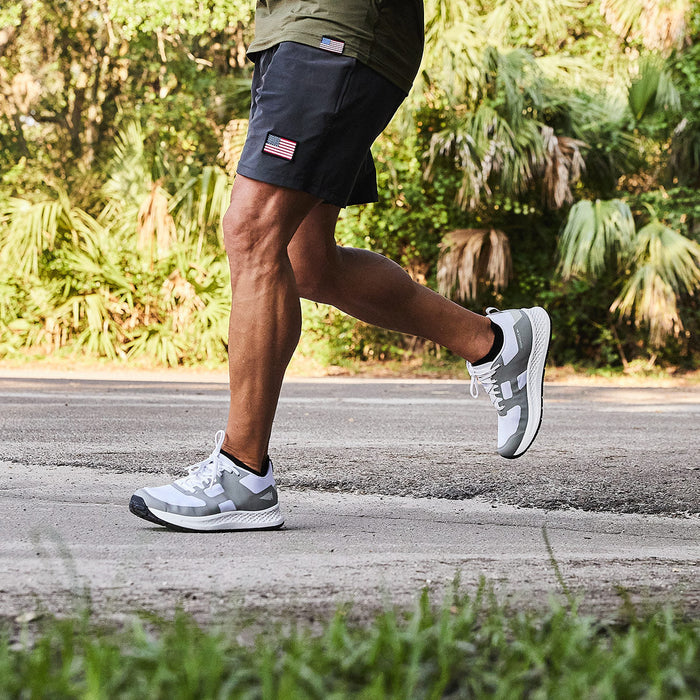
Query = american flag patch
x=277 y=146
x=332 y=45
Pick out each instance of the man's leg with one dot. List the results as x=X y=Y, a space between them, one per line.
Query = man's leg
x=265 y=315
x=222 y=492
x=505 y=351
x=376 y=290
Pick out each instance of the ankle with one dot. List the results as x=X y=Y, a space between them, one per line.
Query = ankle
x=260 y=470
x=496 y=337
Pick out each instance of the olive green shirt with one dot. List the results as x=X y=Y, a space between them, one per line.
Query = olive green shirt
x=386 y=35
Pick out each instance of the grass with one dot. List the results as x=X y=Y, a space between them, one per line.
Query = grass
x=467 y=647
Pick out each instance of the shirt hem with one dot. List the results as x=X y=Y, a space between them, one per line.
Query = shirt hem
x=351 y=51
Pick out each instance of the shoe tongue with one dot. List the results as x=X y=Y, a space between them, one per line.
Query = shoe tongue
x=199 y=474
x=228 y=464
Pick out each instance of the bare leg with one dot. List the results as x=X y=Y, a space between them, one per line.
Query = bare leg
x=265 y=315
x=376 y=290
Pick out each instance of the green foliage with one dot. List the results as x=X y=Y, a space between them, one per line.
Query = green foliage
x=653 y=88
x=113 y=115
x=679 y=207
x=665 y=266
x=179 y=18
x=110 y=285
x=684 y=161
x=594 y=231
x=468 y=647
x=70 y=72
x=653 y=267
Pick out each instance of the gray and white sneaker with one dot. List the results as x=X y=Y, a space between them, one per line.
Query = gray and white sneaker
x=514 y=379
x=215 y=495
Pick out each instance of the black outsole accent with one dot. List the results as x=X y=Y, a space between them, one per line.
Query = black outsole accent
x=139 y=508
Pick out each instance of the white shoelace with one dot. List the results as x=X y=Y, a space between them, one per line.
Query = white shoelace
x=485 y=377
x=205 y=473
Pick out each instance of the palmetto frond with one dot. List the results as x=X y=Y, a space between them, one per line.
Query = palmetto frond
x=548 y=21
x=573 y=71
x=455 y=39
x=481 y=143
x=29 y=229
x=129 y=173
x=155 y=227
x=459 y=35
x=102 y=334
x=652 y=88
x=660 y=24
x=489 y=150
x=199 y=205
x=514 y=79
x=159 y=341
x=657 y=263
x=563 y=165
x=666 y=264
x=470 y=257
x=594 y=232
x=497 y=137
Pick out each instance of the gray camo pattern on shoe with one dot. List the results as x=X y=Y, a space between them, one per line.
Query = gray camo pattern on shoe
x=514 y=380
x=217 y=494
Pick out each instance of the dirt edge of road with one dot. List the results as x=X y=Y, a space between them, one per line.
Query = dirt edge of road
x=303 y=370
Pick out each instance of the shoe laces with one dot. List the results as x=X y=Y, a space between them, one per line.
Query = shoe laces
x=205 y=473
x=485 y=377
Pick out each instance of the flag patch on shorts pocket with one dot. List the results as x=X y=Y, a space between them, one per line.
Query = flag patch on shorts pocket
x=277 y=146
x=333 y=45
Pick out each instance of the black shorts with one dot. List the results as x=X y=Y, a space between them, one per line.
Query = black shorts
x=313 y=118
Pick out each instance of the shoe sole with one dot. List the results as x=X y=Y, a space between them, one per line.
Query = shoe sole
x=541 y=336
x=269 y=519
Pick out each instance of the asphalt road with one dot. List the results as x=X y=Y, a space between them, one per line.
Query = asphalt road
x=386 y=486
x=600 y=449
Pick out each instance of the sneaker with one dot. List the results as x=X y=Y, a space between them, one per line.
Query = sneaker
x=514 y=379
x=215 y=495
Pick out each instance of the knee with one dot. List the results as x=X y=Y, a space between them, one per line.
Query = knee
x=239 y=235
x=315 y=278
x=251 y=241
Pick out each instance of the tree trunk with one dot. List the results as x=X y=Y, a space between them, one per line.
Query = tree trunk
x=19 y=128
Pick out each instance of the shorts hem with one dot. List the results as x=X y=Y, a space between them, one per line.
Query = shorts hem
x=318 y=192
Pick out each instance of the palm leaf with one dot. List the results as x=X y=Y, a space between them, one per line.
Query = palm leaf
x=548 y=21
x=574 y=71
x=667 y=265
x=594 y=232
x=455 y=39
x=470 y=257
x=199 y=205
x=653 y=88
x=155 y=227
x=129 y=173
x=660 y=24
x=563 y=165
x=32 y=229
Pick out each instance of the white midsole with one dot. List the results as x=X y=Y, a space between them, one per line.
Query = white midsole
x=230 y=520
x=541 y=329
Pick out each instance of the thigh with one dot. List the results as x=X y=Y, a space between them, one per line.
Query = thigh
x=261 y=213
x=313 y=247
